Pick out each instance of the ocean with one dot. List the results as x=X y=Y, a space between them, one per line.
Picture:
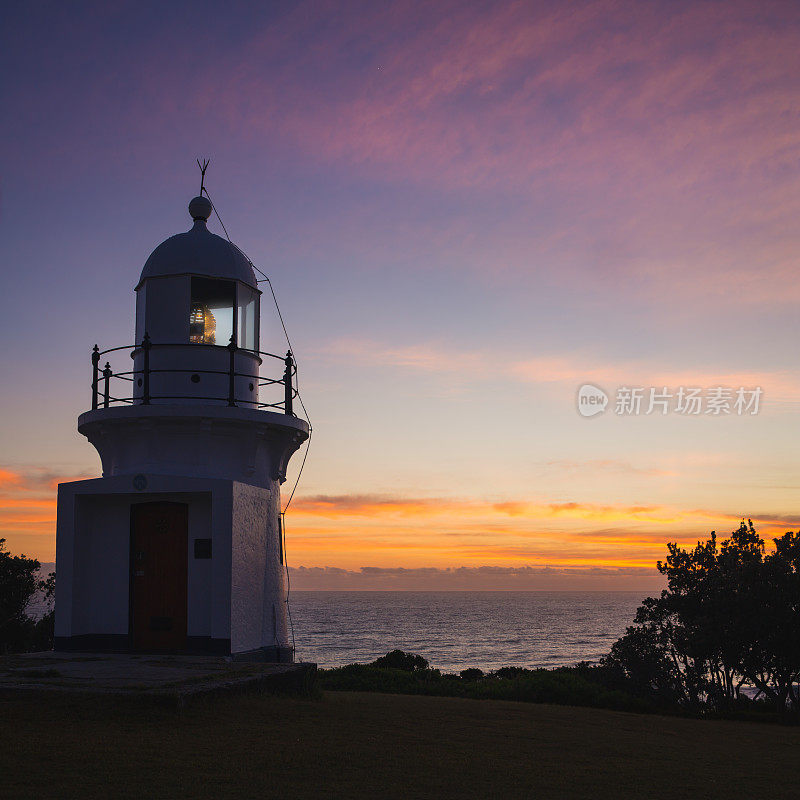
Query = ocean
x=457 y=630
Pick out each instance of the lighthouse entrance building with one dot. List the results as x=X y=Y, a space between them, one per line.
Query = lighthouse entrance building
x=178 y=547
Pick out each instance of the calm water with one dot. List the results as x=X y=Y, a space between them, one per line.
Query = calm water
x=456 y=630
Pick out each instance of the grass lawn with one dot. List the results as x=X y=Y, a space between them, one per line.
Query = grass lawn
x=372 y=745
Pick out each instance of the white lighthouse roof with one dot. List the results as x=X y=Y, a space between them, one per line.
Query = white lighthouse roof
x=199 y=252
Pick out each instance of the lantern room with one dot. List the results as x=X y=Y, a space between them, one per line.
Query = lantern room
x=197 y=288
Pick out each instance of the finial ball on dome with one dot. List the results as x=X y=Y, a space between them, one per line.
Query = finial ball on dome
x=200 y=208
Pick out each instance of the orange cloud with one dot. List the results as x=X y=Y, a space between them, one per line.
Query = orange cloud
x=372 y=506
x=366 y=505
x=28 y=508
x=9 y=478
x=352 y=529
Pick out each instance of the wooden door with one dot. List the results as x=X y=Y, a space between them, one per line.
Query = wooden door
x=159 y=565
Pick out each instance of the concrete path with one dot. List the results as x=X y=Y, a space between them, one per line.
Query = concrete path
x=170 y=678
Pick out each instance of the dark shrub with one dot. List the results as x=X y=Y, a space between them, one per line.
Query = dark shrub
x=511 y=672
x=19 y=582
x=397 y=659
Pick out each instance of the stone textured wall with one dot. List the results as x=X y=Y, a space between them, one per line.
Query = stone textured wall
x=258 y=583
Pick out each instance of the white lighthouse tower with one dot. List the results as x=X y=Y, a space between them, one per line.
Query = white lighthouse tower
x=178 y=547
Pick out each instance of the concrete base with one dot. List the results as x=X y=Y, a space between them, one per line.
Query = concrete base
x=121 y=643
x=268 y=655
x=172 y=679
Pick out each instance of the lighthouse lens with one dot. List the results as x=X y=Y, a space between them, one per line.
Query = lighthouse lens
x=211 y=311
x=202 y=325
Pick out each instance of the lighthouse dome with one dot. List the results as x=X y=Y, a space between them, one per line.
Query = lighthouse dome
x=199 y=252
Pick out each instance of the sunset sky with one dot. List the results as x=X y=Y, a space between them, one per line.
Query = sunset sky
x=468 y=210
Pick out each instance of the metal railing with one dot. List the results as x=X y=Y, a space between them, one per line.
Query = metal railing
x=105 y=398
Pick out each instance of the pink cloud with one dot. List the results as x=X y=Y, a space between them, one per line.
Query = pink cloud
x=662 y=139
x=654 y=143
x=511 y=90
x=567 y=368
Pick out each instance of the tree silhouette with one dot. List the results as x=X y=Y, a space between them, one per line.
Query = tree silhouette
x=397 y=659
x=19 y=582
x=729 y=616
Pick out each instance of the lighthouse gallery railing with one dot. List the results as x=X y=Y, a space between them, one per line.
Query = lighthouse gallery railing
x=104 y=397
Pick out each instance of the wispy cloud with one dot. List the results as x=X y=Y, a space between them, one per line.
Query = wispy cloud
x=560 y=87
x=565 y=368
x=627 y=123
x=386 y=505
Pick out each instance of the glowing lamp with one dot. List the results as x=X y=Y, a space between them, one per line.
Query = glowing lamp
x=202 y=325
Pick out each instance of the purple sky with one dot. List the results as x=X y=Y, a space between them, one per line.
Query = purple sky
x=468 y=210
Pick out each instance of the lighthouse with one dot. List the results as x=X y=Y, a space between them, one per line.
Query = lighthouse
x=178 y=547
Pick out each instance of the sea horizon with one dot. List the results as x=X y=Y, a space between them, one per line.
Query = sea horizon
x=457 y=629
